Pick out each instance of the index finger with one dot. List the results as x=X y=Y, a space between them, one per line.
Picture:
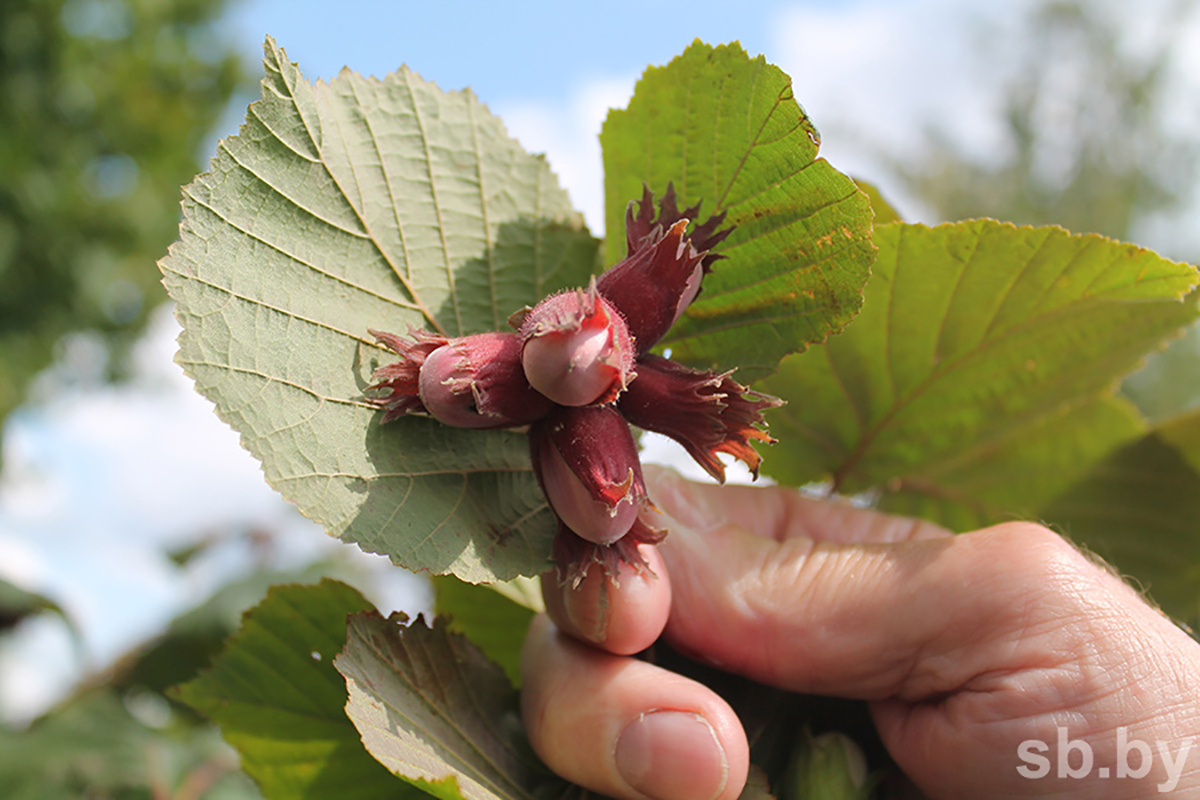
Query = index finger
x=779 y=513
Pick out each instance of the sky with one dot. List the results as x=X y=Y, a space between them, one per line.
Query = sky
x=101 y=480
x=551 y=70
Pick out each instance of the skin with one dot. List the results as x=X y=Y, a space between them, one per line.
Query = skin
x=964 y=647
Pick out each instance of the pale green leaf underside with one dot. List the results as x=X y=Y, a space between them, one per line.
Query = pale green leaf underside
x=279 y=701
x=383 y=204
x=985 y=355
x=727 y=130
x=431 y=706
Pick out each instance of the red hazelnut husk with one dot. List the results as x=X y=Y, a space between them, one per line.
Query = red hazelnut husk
x=704 y=237
x=472 y=381
x=587 y=463
x=577 y=348
x=706 y=412
x=401 y=379
x=574 y=556
x=661 y=275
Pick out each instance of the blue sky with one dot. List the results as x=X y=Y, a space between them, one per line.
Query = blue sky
x=551 y=70
x=537 y=51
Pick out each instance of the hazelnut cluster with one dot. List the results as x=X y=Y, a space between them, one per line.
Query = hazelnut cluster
x=577 y=369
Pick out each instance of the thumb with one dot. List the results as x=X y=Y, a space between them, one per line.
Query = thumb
x=826 y=598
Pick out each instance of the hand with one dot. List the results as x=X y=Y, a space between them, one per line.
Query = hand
x=965 y=647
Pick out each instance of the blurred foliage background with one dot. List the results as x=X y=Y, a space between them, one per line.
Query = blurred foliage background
x=1086 y=117
x=104 y=108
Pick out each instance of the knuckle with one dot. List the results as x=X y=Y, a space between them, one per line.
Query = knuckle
x=1033 y=555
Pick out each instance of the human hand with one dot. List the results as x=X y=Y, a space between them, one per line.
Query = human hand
x=965 y=647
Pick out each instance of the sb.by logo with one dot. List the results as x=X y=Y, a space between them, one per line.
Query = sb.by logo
x=1074 y=759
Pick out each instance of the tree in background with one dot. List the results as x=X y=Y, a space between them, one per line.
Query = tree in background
x=104 y=106
x=1085 y=117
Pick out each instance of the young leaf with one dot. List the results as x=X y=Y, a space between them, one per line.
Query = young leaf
x=726 y=130
x=976 y=342
x=383 y=204
x=1138 y=509
x=757 y=786
x=193 y=639
x=489 y=617
x=278 y=699
x=830 y=766
x=431 y=707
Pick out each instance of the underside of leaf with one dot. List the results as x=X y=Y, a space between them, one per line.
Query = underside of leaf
x=431 y=706
x=358 y=204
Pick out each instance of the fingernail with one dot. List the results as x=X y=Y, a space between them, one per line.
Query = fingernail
x=672 y=755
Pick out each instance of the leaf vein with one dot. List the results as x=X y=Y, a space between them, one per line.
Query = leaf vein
x=292 y=256
x=437 y=206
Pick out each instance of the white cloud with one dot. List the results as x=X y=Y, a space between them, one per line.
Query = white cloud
x=37 y=662
x=875 y=75
x=20 y=564
x=100 y=481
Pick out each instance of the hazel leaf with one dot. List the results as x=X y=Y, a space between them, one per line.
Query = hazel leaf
x=727 y=132
x=493 y=616
x=980 y=373
x=365 y=203
x=1138 y=509
x=279 y=701
x=431 y=707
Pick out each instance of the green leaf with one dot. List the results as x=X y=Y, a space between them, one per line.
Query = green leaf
x=757 y=787
x=1012 y=476
x=525 y=592
x=196 y=636
x=94 y=742
x=830 y=766
x=1138 y=509
x=91 y=746
x=1169 y=383
x=16 y=605
x=384 y=204
x=432 y=707
x=278 y=699
x=726 y=129
x=489 y=617
x=1183 y=433
x=980 y=371
x=885 y=212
